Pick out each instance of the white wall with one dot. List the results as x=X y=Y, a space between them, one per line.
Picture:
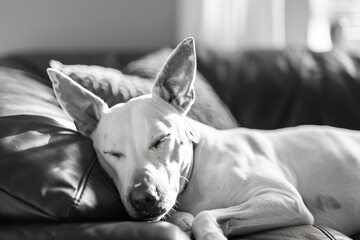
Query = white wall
x=86 y=24
x=296 y=17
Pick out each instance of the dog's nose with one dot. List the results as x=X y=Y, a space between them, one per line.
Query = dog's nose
x=144 y=199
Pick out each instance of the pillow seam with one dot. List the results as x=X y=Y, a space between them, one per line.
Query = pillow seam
x=79 y=191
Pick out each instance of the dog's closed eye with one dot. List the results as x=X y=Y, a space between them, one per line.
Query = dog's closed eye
x=159 y=141
x=116 y=155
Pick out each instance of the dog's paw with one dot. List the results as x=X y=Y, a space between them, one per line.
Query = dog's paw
x=206 y=227
x=183 y=220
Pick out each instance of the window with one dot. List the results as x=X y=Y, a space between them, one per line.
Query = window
x=344 y=18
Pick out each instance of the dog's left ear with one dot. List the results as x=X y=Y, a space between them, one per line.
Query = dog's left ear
x=175 y=81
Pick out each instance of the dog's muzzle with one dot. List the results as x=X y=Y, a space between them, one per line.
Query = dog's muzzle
x=146 y=201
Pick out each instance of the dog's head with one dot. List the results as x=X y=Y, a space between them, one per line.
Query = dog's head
x=145 y=145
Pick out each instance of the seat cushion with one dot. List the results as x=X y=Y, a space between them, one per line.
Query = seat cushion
x=297 y=232
x=93 y=231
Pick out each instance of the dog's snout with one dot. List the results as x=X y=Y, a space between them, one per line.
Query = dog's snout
x=147 y=198
x=144 y=199
x=147 y=202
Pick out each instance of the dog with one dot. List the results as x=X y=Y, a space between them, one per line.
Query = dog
x=220 y=182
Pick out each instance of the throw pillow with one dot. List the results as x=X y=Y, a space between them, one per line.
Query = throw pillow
x=115 y=87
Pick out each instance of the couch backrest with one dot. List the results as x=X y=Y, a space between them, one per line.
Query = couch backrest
x=270 y=89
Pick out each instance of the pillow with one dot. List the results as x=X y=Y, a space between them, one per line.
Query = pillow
x=48 y=172
x=115 y=87
x=108 y=83
x=149 y=65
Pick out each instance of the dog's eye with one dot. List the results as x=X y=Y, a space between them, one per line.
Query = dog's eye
x=114 y=154
x=160 y=140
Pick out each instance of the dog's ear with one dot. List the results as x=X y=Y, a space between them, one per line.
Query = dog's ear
x=83 y=106
x=175 y=81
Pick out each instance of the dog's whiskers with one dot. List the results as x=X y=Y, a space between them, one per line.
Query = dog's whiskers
x=168 y=214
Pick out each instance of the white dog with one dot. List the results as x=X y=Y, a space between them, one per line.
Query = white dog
x=223 y=183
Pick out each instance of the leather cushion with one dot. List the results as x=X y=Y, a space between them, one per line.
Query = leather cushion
x=297 y=232
x=93 y=231
x=140 y=230
x=48 y=172
x=269 y=89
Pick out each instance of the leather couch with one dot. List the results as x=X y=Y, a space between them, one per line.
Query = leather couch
x=51 y=185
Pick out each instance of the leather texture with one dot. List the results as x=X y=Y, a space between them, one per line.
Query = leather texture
x=51 y=186
x=93 y=231
x=48 y=171
x=272 y=89
x=297 y=233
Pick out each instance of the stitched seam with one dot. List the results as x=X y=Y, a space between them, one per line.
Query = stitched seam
x=76 y=199
x=324 y=231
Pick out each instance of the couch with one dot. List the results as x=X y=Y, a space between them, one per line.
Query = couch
x=51 y=185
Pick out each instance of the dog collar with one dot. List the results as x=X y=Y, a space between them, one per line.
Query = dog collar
x=185 y=181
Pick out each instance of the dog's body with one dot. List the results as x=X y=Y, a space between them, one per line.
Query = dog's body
x=240 y=181
x=262 y=173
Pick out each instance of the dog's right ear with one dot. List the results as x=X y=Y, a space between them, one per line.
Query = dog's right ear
x=83 y=106
x=175 y=81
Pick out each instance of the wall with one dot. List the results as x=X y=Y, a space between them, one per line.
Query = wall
x=240 y=24
x=83 y=25
x=86 y=24
x=296 y=17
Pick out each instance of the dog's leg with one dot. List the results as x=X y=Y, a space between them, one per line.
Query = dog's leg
x=183 y=220
x=262 y=212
